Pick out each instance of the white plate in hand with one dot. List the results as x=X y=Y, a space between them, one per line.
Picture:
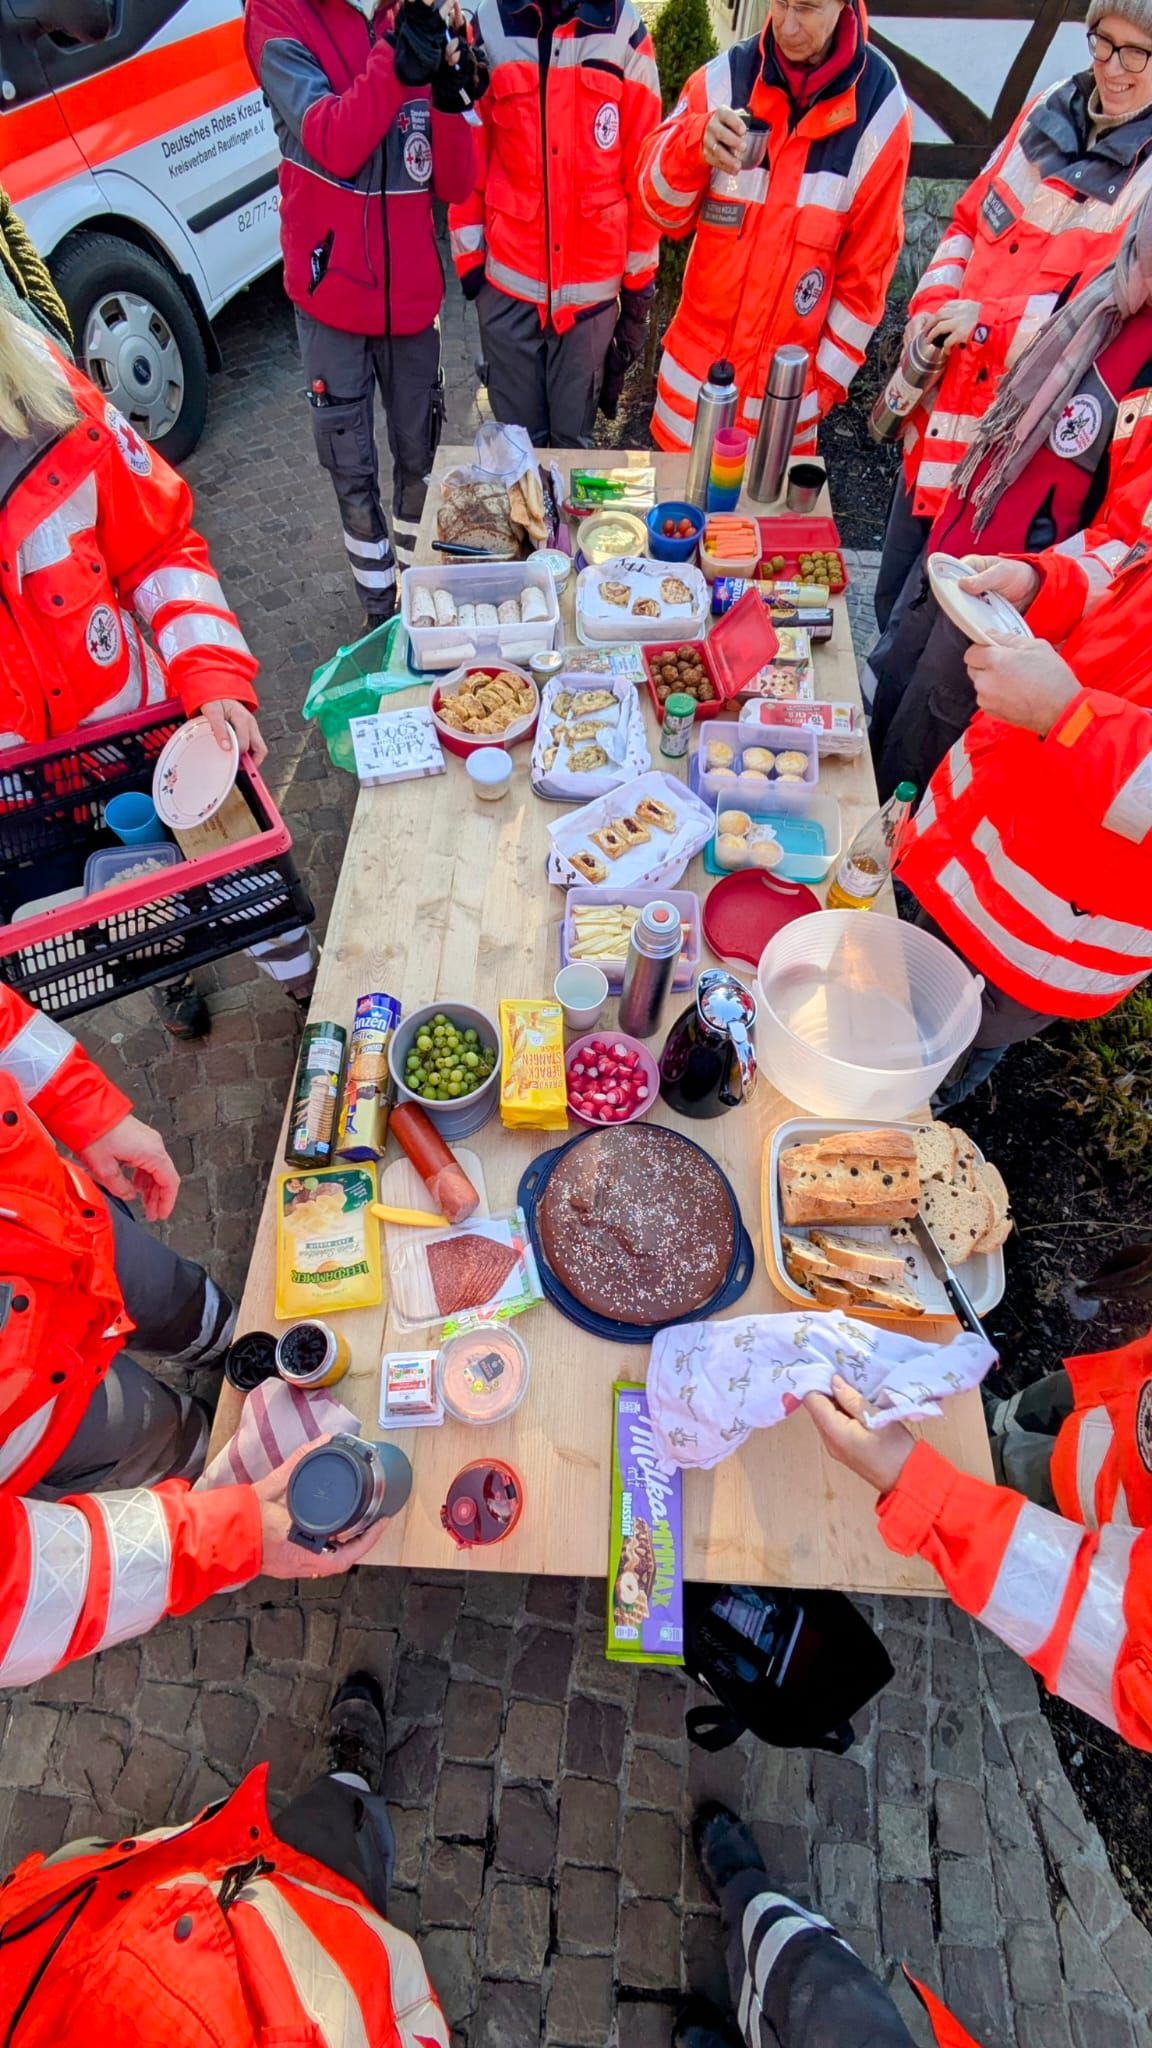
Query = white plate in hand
x=979 y=616
x=194 y=774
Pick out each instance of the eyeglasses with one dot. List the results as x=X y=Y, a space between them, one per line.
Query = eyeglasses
x=1133 y=56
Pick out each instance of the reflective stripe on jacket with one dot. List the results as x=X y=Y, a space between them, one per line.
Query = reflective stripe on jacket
x=1074 y=1602
x=362 y=158
x=800 y=249
x=215 y=1932
x=96 y=544
x=554 y=217
x=1046 y=216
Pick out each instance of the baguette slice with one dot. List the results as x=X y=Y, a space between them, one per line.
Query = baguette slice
x=958 y=1219
x=870 y=1261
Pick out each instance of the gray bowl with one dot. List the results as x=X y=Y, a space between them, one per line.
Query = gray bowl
x=469 y=1112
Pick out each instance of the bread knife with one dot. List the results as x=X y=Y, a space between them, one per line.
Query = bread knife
x=966 y=1315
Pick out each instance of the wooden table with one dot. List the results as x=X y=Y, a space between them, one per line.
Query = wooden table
x=441 y=897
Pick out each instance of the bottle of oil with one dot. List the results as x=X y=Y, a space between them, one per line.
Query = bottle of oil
x=868 y=862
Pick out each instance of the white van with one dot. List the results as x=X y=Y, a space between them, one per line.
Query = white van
x=140 y=154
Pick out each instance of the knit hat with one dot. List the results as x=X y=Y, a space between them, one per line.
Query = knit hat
x=1138 y=13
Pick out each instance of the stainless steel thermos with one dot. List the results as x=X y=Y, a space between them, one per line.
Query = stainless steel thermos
x=779 y=418
x=715 y=410
x=919 y=367
x=653 y=950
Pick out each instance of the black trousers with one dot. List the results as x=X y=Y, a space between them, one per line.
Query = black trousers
x=547 y=382
x=135 y=1431
x=794 y=1982
x=349 y=1830
x=924 y=696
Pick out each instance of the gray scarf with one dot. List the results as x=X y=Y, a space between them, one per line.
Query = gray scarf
x=1052 y=368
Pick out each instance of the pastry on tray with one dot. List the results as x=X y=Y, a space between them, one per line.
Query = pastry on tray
x=651 y=811
x=637 y=1223
x=611 y=840
x=584 y=702
x=616 y=593
x=587 y=761
x=791 y=763
x=586 y=864
x=675 y=591
x=646 y=608
x=635 y=834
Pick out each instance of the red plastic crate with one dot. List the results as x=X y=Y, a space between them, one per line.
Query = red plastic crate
x=52 y=799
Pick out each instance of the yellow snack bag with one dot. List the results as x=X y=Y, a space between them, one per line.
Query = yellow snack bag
x=533 y=1084
x=327 y=1241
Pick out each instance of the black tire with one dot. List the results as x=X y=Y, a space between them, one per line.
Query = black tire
x=104 y=280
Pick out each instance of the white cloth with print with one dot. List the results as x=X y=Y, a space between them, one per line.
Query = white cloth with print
x=711 y=1384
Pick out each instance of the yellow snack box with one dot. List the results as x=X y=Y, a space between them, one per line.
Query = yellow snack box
x=533 y=1082
x=327 y=1241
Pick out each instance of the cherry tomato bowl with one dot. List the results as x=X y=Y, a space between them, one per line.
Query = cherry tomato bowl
x=687 y=524
x=612 y=1079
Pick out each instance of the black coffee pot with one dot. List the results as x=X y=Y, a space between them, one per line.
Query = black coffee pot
x=708 y=1064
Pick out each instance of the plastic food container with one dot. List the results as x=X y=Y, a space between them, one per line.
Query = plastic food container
x=743 y=559
x=557 y=563
x=599 y=623
x=738 y=647
x=666 y=547
x=860 y=1015
x=489 y=770
x=482 y=1375
x=459 y=743
x=456 y=1119
x=114 y=864
x=685 y=901
x=794 y=535
x=810 y=834
x=738 y=791
x=605 y=535
x=441 y=647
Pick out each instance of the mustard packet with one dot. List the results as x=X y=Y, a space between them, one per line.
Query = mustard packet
x=327 y=1242
x=533 y=1080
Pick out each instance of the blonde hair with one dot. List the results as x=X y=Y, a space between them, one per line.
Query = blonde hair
x=33 y=386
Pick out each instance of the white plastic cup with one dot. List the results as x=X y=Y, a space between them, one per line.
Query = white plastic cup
x=490 y=772
x=581 y=992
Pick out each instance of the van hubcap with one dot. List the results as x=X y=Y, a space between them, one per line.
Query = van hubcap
x=132 y=356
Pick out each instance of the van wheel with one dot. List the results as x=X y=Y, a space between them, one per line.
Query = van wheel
x=137 y=338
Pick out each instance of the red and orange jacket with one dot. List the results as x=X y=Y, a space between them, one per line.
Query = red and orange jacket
x=1046 y=216
x=554 y=218
x=1061 y=922
x=799 y=250
x=96 y=544
x=1071 y=1592
x=215 y=1932
x=362 y=157
x=80 y=1574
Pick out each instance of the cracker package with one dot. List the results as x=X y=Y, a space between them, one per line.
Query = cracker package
x=327 y=1242
x=533 y=1081
x=646 y=1542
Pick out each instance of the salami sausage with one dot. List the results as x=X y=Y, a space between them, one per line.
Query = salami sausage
x=445 y=1179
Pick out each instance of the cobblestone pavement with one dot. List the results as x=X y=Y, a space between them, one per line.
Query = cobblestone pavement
x=541 y=1794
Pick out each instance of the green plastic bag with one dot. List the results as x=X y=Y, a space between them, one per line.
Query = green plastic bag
x=353 y=682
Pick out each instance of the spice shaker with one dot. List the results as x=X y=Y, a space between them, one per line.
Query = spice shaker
x=676 y=730
x=715 y=409
x=654 y=947
x=779 y=419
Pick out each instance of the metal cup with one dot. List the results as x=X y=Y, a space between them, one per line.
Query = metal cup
x=805 y=483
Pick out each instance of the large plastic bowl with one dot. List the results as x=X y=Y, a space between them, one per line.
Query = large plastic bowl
x=860 y=1015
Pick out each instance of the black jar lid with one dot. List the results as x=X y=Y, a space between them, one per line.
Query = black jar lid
x=250 y=1360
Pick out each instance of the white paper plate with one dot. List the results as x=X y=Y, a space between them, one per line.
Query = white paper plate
x=977 y=616
x=194 y=775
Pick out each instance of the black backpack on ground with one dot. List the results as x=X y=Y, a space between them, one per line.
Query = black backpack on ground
x=791 y=1667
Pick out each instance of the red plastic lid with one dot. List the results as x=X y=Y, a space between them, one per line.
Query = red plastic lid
x=744 y=911
x=742 y=643
x=793 y=533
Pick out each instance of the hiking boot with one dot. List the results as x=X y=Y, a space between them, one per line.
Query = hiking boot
x=357 y=1730
x=700 y=2024
x=724 y=1846
x=182 y=1009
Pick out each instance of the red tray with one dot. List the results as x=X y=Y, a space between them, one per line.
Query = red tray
x=793 y=536
x=739 y=645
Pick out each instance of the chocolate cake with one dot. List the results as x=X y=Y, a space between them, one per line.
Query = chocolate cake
x=637 y=1224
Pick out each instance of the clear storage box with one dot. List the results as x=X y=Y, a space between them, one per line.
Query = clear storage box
x=479 y=583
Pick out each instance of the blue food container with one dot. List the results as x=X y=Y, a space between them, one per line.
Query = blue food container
x=665 y=550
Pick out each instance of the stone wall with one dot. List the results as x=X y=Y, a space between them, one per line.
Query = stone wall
x=928 y=205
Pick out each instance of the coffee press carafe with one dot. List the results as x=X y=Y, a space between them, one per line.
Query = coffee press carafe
x=708 y=1064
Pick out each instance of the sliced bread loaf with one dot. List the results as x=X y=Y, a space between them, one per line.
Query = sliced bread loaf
x=855 y=1257
x=854 y=1177
x=958 y=1219
x=991 y=1180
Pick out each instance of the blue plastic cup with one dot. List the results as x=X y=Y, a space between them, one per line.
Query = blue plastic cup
x=132 y=817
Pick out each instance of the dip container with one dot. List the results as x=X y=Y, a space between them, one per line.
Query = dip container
x=483 y=1374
